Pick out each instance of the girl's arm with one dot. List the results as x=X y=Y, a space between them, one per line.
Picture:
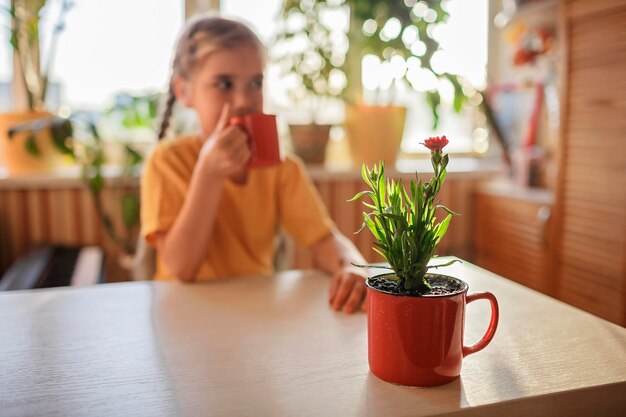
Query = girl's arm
x=334 y=254
x=184 y=246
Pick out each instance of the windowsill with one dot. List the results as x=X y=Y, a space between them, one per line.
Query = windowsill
x=507 y=188
x=70 y=176
x=65 y=177
x=465 y=166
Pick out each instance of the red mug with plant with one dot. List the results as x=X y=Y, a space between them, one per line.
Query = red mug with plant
x=415 y=318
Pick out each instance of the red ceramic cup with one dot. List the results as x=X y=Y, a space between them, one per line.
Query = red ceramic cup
x=418 y=341
x=263 y=134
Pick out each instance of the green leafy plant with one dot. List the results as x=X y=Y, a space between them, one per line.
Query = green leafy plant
x=403 y=222
x=309 y=52
x=88 y=152
x=387 y=29
x=131 y=116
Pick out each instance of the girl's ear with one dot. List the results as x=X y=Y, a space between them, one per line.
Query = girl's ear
x=182 y=90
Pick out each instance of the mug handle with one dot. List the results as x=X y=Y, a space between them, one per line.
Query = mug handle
x=493 y=323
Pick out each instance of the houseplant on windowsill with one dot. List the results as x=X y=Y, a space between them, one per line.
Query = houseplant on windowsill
x=36 y=141
x=309 y=51
x=415 y=317
x=396 y=32
x=28 y=153
x=89 y=154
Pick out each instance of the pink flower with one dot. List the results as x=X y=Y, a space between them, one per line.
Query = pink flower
x=436 y=143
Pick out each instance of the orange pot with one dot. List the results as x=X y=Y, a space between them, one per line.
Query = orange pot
x=13 y=153
x=374 y=133
x=418 y=341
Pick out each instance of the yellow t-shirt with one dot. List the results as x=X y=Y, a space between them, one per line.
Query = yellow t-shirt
x=248 y=216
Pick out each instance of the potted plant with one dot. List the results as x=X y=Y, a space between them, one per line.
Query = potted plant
x=89 y=154
x=27 y=153
x=308 y=51
x=392 y=31
x=34 y=140
x=415 y=317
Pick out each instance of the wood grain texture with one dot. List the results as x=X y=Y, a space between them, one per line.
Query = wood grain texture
x=590 y=221
x=270 y=346
x=510 y=234
x=61 y=211
x=60 y=214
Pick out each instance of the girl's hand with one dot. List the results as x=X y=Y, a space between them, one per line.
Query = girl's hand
x=348 y=291
x=227 y=150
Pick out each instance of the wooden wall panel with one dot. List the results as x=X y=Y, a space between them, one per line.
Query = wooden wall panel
x=32 y=215
x=510 y=237
x=591 y=193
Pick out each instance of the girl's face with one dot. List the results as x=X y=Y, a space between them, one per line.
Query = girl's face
x=233 y=76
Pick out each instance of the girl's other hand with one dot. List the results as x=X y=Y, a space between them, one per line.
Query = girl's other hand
x=348 y=292
x=227 y=150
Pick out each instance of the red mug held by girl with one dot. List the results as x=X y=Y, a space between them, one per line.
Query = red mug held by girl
x=263 y=136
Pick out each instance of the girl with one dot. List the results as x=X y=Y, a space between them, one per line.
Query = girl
x=210 y=217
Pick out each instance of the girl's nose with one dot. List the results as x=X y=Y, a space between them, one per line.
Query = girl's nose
x=242 y=103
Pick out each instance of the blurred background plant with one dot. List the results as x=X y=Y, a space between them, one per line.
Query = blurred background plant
x=26 y=40
x=310 y=53
x=325 y=55
x=77 y=137
x=132 y=117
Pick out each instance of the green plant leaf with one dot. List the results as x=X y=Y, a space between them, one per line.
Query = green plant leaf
x=442 y=228
x=394 y=217
x=371 y=266
x=31 y=145
x=366 y=220
x=134 y=157
x=442 y=265
x=361 y=194
x=434 y=99
x=447 y=210
x=61 y=131
x=96 y=183
x=378 y=251
x=130 y=210
x=374 y=228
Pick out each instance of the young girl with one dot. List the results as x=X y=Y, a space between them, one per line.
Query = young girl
x=207 y=214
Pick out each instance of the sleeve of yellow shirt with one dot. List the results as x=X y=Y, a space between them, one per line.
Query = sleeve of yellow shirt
x=301 y=210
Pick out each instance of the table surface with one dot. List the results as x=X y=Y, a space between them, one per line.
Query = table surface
x=270 y=346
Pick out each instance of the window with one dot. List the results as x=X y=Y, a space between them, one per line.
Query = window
x=109 y=47
x=6 y=71
x=463 y=43
x=125 y=46
x=259 y=15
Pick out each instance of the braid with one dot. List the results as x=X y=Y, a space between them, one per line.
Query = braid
x=167 y=114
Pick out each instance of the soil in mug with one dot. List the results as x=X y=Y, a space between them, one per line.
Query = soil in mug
x=441 y=285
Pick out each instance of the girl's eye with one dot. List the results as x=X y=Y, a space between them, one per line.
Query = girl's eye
x=257 y=84
x=224 y=84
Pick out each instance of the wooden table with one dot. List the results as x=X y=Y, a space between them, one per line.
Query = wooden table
x=270 y=346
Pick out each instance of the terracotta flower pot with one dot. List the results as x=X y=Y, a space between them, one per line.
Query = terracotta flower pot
x=418 y=341
x=309 y=142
